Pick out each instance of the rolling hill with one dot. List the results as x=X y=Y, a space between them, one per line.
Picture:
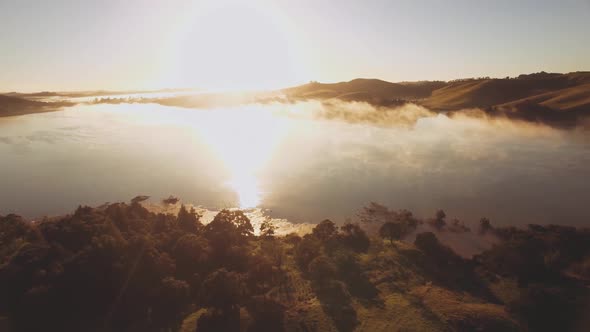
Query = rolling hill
x=11 y=106
x=557 y=99
x=361 y=89
x=484 y=93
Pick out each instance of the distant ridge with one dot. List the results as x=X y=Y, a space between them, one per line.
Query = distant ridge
x=10 y=106
x=363 y=89
x=559 y=99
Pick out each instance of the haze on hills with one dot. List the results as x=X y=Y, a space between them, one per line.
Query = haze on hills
x=561 y=100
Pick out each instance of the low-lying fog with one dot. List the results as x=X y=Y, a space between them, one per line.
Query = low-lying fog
x=303 y=161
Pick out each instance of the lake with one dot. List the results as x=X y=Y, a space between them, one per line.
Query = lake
x=292 y=163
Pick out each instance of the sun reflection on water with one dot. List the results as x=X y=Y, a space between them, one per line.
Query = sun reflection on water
x=244 y=139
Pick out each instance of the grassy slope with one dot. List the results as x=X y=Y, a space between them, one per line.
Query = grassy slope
x=564 y=90
x=553 y=92
x=395 y=310
x=577 y=97
x=407 y=301
x=362 y=89
x=14 y=105
x=454 y=96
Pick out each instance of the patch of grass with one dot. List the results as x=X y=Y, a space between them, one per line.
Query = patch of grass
x=464 y=312
x=397 y=313
x=190 y=322
x=505 y=289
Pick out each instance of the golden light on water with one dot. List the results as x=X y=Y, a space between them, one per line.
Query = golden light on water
x=241 y=140
x=245 y=143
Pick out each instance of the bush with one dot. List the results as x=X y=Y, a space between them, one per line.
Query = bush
x=325 y=230
x=308 y=249
x=354 y=237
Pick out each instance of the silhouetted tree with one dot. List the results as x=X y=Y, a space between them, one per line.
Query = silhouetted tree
x=391 y=231
x=458 y=226
x=236 y=221
x=325 y=230
x=439 y=221
x=189 y=221
x=171 y=200
x=293 y=238
x=354 y=237
x=484 y=226
x=227 y=229
x=375 y=215
x=427 y=242
x=267 y=228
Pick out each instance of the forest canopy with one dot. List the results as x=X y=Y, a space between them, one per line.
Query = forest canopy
x=121 y=267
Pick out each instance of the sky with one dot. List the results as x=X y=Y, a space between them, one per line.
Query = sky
x=258 y=44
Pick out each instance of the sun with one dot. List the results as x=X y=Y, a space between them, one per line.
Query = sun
x=237 y=45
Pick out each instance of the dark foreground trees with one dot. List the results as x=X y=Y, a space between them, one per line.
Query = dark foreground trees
x=123 y=268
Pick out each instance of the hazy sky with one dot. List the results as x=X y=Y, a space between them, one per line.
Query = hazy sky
x=139 y=44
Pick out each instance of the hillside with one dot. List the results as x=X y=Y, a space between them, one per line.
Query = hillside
x=121 y=267
x=561 y=100
x=14 y=105
x=556 y=99
x=360 y=89
x=10 y=106
x=484 y=93
x=576 y=98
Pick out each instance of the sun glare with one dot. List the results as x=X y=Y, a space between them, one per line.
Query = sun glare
x=244 y=143
x=236 y=45
x=247 y=188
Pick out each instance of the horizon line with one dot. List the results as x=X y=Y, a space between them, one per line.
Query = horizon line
x=197 y=89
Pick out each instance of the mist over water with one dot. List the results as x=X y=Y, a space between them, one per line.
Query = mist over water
x=302 y=161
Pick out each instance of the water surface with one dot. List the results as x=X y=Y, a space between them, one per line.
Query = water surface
x=297 y=165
